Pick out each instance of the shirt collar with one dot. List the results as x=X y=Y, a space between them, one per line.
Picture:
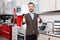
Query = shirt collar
x=31 y=12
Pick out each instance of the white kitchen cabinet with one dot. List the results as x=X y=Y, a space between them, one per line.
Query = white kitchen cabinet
x=47 y=37
x=42 y=37
x=54 y=38
x=14 y=33
x=47 y=5
x=57 y=4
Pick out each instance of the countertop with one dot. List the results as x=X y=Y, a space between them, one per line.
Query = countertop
x=53 y=35
x=56 y=12
x=8 y=24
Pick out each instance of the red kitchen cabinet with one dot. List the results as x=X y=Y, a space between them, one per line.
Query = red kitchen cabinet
x=5 y=35
x=6 y=32
x=0 y=29
x=6 y=28
x=19 y=20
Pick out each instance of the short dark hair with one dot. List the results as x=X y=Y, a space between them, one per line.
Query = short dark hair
x=31 y=3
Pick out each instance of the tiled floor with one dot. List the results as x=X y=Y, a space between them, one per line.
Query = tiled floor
x=1 y=38
x=19 y=38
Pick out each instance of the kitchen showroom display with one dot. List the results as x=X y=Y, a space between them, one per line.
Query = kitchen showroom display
x=57 y=27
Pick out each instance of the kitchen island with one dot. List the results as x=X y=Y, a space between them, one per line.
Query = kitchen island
x=6 y=30
x=44 y=36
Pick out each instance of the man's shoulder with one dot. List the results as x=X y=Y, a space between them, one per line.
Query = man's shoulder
x=36 y=14
x=25 y=15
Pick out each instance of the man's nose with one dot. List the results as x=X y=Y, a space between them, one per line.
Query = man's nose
x=31 y=7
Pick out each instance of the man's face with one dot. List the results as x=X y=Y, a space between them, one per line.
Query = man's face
x=31 y=7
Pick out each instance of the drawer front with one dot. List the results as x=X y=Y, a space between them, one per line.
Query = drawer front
x=5 y=28
x=5 y=35
x=6 y=32
x=0 y=29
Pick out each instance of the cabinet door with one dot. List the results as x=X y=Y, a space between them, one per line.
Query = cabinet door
x=51 y=38
x=57 y=4
x=42 y=37
x=14 y=32
x=54 y=38
x=5 y=28
x=0 y=29
x=1 y=6
x=47 y=5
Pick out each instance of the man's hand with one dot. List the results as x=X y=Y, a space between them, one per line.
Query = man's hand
x=24 y=19
x=38 y=19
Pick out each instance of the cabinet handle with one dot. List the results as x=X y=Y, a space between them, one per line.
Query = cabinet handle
x=49 y=38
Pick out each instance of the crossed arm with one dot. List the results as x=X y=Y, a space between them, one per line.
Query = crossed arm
x=38 y=20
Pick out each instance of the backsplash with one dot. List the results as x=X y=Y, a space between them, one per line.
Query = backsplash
x=57 y=27
x=49 y=18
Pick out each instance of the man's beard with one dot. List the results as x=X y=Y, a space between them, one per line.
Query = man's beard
x=31 y=10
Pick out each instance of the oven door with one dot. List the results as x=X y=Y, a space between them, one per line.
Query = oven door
x=21 y=32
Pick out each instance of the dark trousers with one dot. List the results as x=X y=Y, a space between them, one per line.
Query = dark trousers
x=31 y=37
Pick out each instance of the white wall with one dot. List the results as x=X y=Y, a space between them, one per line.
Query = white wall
x=24 y=6
x=46 y=5
x=8 y=6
